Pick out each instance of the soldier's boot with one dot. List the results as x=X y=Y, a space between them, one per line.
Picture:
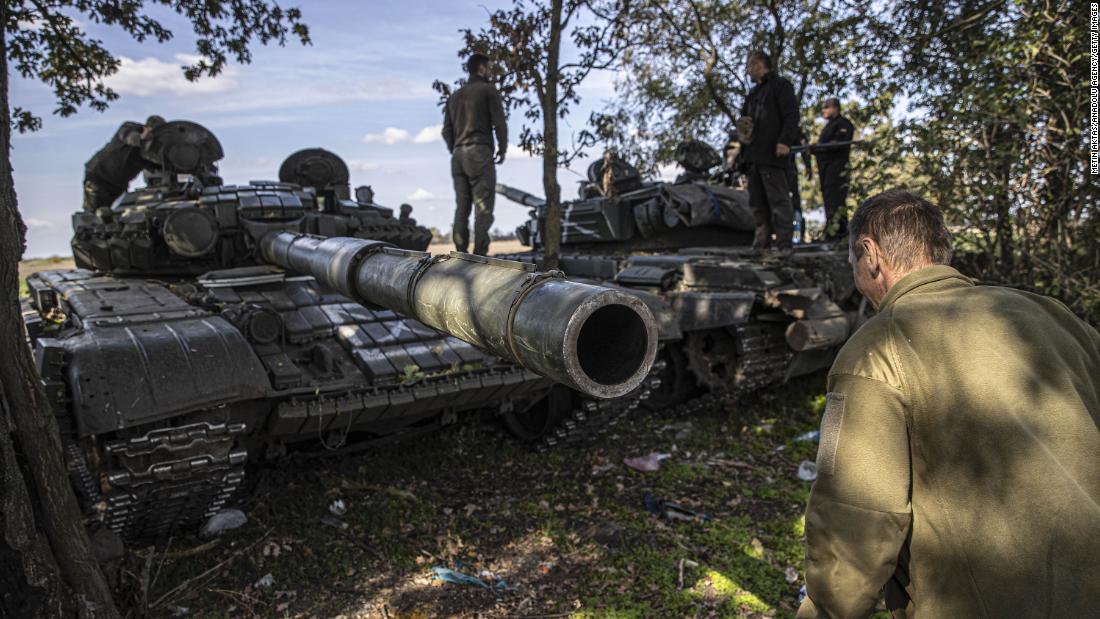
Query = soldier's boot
x=762 y=237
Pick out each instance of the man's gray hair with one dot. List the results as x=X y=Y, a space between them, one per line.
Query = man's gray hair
x=910 y=229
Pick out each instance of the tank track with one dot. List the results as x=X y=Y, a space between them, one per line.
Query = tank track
x=761 y=366
x=592 y=418
x=161 y=479
x=763 y=363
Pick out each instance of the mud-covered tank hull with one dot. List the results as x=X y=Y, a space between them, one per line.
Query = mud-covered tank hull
x=170 y=395
x=729 y=319
x=164 y=393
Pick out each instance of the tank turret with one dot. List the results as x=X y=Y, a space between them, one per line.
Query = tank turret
x=619 y=211
x=185 y=222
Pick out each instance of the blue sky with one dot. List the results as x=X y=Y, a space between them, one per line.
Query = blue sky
x=362 y=90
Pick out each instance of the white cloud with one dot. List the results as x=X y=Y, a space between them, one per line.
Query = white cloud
x=150 y=76
x=389 y=135
x=429 y=134
x=421 y=194
x=516 y=152
x=393 y=135
x=35 y=223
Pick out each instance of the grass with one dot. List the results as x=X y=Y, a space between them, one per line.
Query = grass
x=566 y=530
x=27 y=267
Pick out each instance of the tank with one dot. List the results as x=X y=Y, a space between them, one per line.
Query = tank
x=730 y=319
x=211 y=327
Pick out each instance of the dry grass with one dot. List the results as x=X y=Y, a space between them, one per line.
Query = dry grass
x=496 y=247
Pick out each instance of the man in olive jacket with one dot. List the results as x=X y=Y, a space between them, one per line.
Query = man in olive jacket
x=959 y=463
x=472 y=115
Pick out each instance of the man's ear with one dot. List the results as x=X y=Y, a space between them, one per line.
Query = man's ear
x=872 y=254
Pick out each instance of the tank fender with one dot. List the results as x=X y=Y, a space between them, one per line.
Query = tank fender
x=138 y=372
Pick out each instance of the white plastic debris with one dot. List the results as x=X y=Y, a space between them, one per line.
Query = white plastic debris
x=338 y=507
x=813 y=435
x=647 y=463
x=225 y=520
x=267 y=580
x=807 y=470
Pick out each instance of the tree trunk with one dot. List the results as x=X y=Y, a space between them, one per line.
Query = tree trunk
x=552 y=242
x=46 y=564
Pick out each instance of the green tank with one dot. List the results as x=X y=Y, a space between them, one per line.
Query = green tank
x=730 y=319
x=210 y=327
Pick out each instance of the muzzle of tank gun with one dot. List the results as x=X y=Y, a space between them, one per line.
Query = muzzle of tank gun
x=594 y=339
x=520 y=196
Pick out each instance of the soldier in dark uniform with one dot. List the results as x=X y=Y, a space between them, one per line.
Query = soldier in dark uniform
x=772 y=107
x=792 y=182
x=832 y=167
x=472 y=115
x=108 y=173
x=406 y=215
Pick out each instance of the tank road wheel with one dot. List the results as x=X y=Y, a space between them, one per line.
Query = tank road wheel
x=713 y=357
x=677 y=382
x=540 y=419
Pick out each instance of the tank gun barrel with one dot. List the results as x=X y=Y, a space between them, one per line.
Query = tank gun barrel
x=594 y=339
x=520 y=196
x=827 y=145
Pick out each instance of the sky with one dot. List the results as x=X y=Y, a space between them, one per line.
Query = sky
x=362 y=90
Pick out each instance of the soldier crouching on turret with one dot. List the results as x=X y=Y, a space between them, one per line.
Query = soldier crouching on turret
x=108 y=173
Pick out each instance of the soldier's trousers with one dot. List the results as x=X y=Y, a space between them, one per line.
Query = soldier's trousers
x=833 y=175
x=796 y=198
x=771 y=206
x=475 y=181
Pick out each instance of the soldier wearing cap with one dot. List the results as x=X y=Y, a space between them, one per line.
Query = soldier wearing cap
x=959 y=462
x=833 y=167
x=108 y=173
x=473 y=114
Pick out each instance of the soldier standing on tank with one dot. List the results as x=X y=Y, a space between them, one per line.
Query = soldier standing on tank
x=406 y=215
x=770 y=113
x=792 y=182
x=473 y=114
x=958 y=469
x=833 y=169
x=108 y=173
